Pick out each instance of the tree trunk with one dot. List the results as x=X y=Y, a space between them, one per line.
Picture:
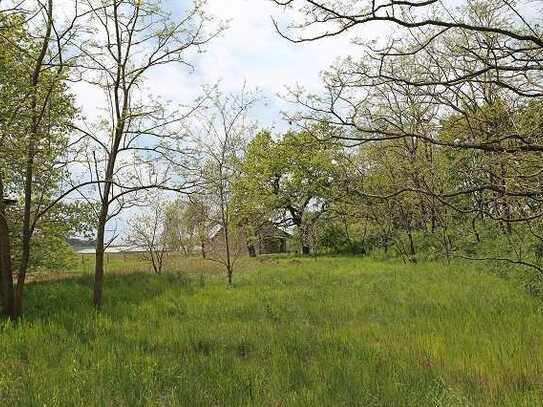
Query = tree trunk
x=252 y=250
x=230 y=273
x=298 y=221
x=7 y=295
x=37 y=116
x=225 y=218
x=104 y=210
x=121 y=108
x=348 y=235
x=100 y=251
x=228 y=258
x=27 y=226
x=412 y=252
x=475 y=231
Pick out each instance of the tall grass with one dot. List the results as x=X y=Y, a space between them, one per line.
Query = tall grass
x=292 y=331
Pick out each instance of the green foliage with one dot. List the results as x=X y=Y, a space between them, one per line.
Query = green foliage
x=39 y=114
x=49 y=248
x=52 y=253
x=294 y=331
x=288 y=172
x=287 y=179
x=334 y=238
x=34 y=127
x=421 y=201
x=186 y=224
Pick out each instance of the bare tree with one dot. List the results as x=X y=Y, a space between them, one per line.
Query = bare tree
x=147 y=231
x=136 y=146
x=225 y=130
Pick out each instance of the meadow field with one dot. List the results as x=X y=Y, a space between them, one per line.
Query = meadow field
x=326 y=331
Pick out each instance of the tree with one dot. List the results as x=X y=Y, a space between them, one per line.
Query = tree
x=186 y=225
x=461 y=85
x=137 y=146
x=147 y=230
x=35 y=112
x=197 y=215
x=289 y=179
x=224 y=134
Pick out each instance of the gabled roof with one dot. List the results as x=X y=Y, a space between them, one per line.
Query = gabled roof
x=214 y=231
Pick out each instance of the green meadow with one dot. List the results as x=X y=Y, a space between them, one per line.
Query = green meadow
x=290 y=332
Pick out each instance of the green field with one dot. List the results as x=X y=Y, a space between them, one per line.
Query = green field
x=292 y=331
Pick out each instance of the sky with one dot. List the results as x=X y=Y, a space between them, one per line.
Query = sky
x=250 y=51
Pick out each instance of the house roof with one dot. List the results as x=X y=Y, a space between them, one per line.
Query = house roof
x=272 y=230
x=214 y=231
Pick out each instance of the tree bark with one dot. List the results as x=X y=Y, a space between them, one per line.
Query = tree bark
x=252 y=250
x=7 y=295
x=227 y=242
x=412 y=252
x=27 y=229
x=100 y=251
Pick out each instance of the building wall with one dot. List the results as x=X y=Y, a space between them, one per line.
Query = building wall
x=268 y=243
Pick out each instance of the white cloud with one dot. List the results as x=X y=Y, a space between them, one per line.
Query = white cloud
x=252 y=51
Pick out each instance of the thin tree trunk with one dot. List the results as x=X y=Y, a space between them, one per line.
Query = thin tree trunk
x=252 y=250
x=347 y=234
x=226 y=223
x=412 y=252
x=104 y=211
x=7 y=295
x=475 y=231
x=27 y=230
x=228 y=257
x=100 y=251
x=120 y=102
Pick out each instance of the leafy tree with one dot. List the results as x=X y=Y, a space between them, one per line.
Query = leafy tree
x=36 y=110
x=447 y=111
x=289 y=179
x=187 y=225
x=226 y=128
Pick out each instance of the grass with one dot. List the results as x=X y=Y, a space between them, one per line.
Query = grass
x=292 y=332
